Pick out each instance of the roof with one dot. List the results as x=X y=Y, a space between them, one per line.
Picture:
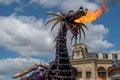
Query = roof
x=79 y=44
x=113 y=68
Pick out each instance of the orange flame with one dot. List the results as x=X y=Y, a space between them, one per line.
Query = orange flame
x=92 y=15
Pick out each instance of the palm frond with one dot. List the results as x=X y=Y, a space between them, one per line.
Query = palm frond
x=58 y=15
x=81 y=29
x=72 y=39
x=55 y=24
x=79 y=34
x=53 y=19
x=83 y=25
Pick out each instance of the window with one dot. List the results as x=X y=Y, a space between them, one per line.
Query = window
x=101 y=72
x=79 y=74
x=105 y=56
x=94 y=55
x=88 y=74
x=77 y=53
x=114 y=56
x=79 y=70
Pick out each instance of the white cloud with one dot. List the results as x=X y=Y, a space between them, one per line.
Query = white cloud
x=2 y=77
x=66 y=4
x=96 y=37
x=76 y=4
x=46 y=3
x=29 y=36
x=9 y=1
x=25 y=35
x=10 y=66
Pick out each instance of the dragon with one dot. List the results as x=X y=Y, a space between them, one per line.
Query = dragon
x=60 y=68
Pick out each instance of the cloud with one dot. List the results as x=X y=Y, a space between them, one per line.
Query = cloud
x=66 y=4
x=46 y=3
x=96 y=37
x=25 y=35
x=75 y=5
x=29 y=36
x=8 y=1
x=2 y=77
x=10 y=66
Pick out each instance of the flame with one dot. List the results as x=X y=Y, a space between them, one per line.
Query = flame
x=101 y=79
x=92 y=15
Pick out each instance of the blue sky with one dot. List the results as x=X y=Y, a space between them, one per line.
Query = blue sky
x=25 y=40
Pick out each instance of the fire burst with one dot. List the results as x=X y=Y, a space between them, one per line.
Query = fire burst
x=92 y=15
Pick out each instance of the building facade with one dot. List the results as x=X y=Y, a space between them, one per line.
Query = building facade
x=92 y=66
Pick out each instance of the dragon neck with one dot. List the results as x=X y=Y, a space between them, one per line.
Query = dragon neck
x=61 y=69
x=61 y=48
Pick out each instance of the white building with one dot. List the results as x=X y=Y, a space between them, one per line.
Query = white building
x=92 y=66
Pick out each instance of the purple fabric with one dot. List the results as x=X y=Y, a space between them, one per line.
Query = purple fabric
x=39 y=76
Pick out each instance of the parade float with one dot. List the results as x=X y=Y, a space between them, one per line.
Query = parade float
x=61 y=68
